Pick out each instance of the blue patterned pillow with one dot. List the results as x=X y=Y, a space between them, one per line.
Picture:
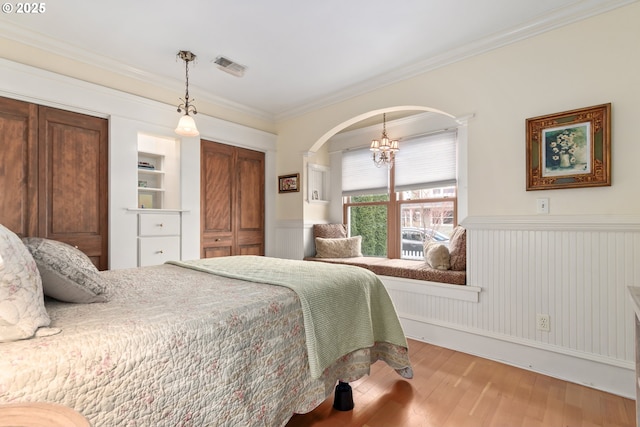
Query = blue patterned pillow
x=67 y=273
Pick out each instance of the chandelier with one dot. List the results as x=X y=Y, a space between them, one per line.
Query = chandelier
x=186 y=125
x=384 y=149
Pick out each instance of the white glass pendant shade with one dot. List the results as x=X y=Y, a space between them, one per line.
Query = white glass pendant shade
x=187 y=126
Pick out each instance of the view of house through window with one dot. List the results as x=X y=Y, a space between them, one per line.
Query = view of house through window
x=418 y=202
x=423 y=215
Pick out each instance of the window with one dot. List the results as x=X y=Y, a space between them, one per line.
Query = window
x=368 y=217
x=396 y=210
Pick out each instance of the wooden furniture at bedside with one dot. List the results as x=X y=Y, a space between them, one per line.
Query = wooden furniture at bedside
x=40 y=414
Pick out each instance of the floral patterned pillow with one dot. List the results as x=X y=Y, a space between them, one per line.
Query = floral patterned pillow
x=22 y=309
x=67 y=273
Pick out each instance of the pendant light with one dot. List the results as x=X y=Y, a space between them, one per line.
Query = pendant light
x=384 y=150
x=186 y=125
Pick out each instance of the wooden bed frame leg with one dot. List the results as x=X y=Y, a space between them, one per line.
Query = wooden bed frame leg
x=343 y=400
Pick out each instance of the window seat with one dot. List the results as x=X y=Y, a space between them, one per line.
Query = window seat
x=408 y=269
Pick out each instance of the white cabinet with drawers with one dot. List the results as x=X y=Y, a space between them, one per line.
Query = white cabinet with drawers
x=158 y=237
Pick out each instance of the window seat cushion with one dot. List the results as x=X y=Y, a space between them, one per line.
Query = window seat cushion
x=408 y=269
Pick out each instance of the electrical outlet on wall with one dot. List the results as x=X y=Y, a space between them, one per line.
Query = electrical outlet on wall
x=542 y=322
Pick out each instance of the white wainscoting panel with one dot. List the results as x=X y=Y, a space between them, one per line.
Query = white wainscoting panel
x=574 y=269
x=289 y=237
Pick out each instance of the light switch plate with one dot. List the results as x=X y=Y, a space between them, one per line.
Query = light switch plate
x=542 y=205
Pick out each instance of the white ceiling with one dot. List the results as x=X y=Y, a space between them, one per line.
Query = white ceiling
x=299 y=54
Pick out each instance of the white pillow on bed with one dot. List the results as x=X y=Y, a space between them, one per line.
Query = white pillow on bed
x=67 y=273
x=22 y=309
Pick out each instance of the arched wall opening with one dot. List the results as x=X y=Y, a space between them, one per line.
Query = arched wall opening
x=356 y=119
x=444 y=121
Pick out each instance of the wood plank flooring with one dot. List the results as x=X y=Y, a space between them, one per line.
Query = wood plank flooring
x=453 y=389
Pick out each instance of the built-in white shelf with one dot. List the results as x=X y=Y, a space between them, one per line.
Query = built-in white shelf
x=317 y=183
x=158 y=206
x=158 y=185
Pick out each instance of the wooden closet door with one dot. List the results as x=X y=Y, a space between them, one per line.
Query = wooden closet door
x=232 y=201
x=250 y=202
x=19 y=166
x=217 y=188
x=73 y=184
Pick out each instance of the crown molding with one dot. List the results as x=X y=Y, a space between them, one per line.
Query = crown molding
x=557 y=19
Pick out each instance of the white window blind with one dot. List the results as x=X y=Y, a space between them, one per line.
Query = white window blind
x=426 y=162
x=361 y=176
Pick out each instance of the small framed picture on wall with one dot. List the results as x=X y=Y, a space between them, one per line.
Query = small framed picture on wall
x=289 y=183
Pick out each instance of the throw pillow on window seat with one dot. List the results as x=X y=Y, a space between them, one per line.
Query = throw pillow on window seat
x=347 y=247
x=458 y=249
x=330 y=231
x=436 y=255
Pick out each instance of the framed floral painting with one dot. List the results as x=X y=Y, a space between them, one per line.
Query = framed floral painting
x=569 y=149
x=289 y=183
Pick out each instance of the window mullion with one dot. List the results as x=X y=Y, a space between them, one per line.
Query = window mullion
x=393 y=221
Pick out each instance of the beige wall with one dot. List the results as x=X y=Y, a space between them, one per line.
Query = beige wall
x=588 y=63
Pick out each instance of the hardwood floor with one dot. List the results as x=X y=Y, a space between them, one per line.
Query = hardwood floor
x=453 y=389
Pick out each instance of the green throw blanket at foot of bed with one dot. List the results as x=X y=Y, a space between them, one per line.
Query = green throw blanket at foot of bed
x=345 y=308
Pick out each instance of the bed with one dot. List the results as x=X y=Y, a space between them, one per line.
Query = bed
x=205 y=342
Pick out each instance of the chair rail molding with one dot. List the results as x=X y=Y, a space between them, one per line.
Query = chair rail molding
x=557 y=222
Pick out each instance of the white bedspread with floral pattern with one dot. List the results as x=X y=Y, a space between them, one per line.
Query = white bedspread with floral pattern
x=177 y=347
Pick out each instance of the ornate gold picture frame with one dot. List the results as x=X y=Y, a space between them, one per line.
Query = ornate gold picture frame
x=569 y=149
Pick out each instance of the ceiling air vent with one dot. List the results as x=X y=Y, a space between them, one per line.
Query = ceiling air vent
x=231 y=67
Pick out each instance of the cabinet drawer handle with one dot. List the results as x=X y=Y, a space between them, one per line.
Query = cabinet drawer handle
x=217 y=240
x=161 y=225
x=160 y=251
